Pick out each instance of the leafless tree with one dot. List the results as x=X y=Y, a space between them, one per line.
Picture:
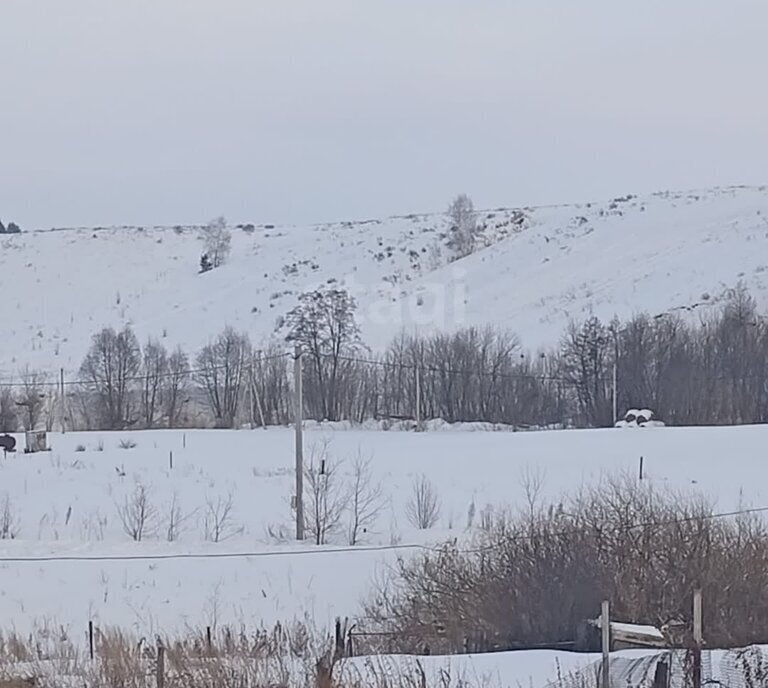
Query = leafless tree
x=423 y=506
x=153 y=373
x=137 y=514
x=9 y=421
x=325 y=495
x=219 y=522
x=366 y=499
x=9 y=519
x=217 y=241
x=109 y=371
x=175 y=388
x=271 y=386
x=32 y=397
x=222 y=374
x=587 y=358
x=177 y=521
x=464 y=229
x=323 y=324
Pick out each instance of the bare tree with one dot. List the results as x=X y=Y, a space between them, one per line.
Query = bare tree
x=222 y=374
x=464 y=229
x=423 y=506
x=366 y=499
x=323 y=324
x=325 y=497
x=587 y=355
x=175 y=387
x=177 y=521
x=154 y=372
x=137 y=514
x=9 y=519
x=219 y=523
x=109 y=370
x=217 y=241
x=9 y=421
x=32 y=397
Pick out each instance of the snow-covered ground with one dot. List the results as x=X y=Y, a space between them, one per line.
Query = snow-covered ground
x=65 y=504
x=657 y=253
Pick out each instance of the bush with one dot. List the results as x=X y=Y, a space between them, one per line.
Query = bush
x=534 y=577
x=423 y=506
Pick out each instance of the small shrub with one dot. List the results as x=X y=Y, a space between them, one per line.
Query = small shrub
x=80 y=448
x=423 y=506
x=127 y=444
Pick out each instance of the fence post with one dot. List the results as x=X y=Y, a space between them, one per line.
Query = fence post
x=90 y=639
x=63 y=402
x=605 y=627
x=661 y=676
x=160 y=670
x=417 y=414
x=208 y=639
x=698 y=637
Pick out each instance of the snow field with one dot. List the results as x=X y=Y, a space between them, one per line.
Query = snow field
x=64 y=504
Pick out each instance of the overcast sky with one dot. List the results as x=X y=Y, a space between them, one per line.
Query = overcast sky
x=175 y=111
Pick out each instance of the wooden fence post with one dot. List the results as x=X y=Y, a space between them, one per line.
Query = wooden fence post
x=605 y=627
x=160 y=670
x=698 y=637
x=90 y=639
x=661 y=677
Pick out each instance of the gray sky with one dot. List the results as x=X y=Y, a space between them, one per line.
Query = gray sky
x=174 y=111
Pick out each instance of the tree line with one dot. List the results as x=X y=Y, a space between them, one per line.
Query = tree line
x=710 y=371
x=11 y=228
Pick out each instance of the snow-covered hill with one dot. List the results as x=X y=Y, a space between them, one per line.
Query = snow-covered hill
x=535 y=269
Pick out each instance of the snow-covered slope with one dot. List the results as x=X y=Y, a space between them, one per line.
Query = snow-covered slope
x=536 y=268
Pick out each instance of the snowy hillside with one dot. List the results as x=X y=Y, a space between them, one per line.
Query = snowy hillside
x=536 y=267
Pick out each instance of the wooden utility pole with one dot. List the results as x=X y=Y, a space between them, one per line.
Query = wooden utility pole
x=299 y=441
x=698 y=637
x=62 y=401
x=160 y=668
x=417 y=415
x=605 y=627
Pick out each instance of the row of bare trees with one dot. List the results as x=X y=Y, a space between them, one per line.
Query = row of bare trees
x=714 y=371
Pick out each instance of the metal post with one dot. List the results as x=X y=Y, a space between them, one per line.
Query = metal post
x=298 y=422
x=605 y=627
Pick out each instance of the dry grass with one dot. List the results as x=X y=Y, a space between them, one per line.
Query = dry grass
x=281 y=657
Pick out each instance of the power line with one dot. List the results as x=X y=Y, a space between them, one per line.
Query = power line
x=368 y=548
x=142 y=378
